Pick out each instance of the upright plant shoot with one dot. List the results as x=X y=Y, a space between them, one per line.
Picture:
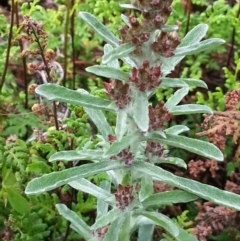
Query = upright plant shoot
x=132 y=151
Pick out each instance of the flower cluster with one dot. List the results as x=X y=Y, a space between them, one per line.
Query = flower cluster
x=124 y=196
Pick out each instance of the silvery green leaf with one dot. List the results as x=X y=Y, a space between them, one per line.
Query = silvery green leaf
x=145 y=232
x=128 y=6
x=146 y=188
x=79 y=225
x=108 y=72
x=125 y=20
x=181 y=82
x=99 y=28
x=204 y=191
x=119 y=52
x=174 y=161
x=102 y=206
x=99 y=119
x=114 y=64
x=194 y=35
x=177 y=129
x=77 y=155
x=169 y=28
x=140 y=111
x=88 y=187
x=176 y=98
x=195 y=48
x=168 y=198
x=53 y=180
x=199 y=147
x=62 y=94
x=190 y=109
x=121 y=123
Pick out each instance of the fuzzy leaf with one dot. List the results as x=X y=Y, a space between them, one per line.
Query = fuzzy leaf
x=119 y=52
x=114 y=64
x=194 y=35
x=176 y=98
x=162 y=221
x=128 y=6
x=80 y=226
x=121 y=123
x=53 y=180
x=100 y=121
x=204 y=191
x=108 y=72
x=199 y=147
x=182 y=82
x=90 y=188
x=190 y=109
x=177 y=129
x=168 y=198
x=145 y=232
x=174 y=161
x=106 y=219
x=102 y=206
x=140 y=111
x=195 y=48
x=77 y=155
x=62 y=94
x=146 y=188
x=99 y=28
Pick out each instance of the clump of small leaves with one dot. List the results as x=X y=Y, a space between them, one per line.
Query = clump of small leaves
x=131 y=152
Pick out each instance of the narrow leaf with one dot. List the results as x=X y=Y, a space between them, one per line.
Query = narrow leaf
x=119 y=52
x=174 y=161
x=102 y=206
x=177 y=129
x=114 y=64
x=182 y=82
x=121 y=123
x=62 y=94
x=168 y=198
x=77 y=155
x=99 y=28
x=195 y=48
x=146 y=188
x=90 y=188
x=162 y=221
x=128 y=6
x=80 y=226
x=106 y=219
x=204 y=191
x=176 y=98
x=199 y=147
x=145 y=232
x=53 y=180
x=140 y=111
x=100 y=121
x=194 y=35
x=190 y=109
x=108 y=72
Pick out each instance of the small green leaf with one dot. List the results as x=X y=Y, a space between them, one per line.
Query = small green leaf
x=17 y=201
x=114 y=64
x=119 y=52
x=108 y=72
x=53 y=180
x=128 y=6
x=195 y=48
x=168 y=198
x=102 y=206
x=146 y=188
x=199 y=147
x=145 y=232
x=174 y=161
x=140 y=111
x=62 y=94
x=204 y=191
x=77 y=155
x=80 y=226
x=190 y=109
x=99 y=28
x=176 y=98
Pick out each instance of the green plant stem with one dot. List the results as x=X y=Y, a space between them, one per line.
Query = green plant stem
x=73 y=46
x=48 y=74
x=233 y=38
x=66 y=41
x=23 y=59
x=189 y=10
x=8 y=47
